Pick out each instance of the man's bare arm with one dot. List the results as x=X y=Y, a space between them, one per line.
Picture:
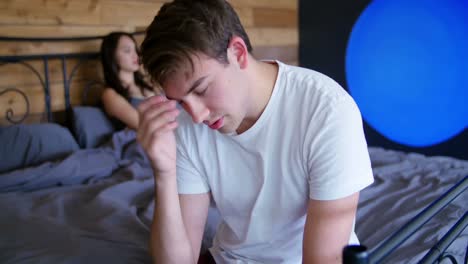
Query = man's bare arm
x=194 y=213
x=178 y=225
x=175 y=221
x=328 y=229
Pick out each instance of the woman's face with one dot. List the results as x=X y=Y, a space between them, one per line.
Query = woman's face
x=126 y=55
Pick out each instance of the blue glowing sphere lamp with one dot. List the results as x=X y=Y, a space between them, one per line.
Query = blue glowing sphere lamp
x=407 y=69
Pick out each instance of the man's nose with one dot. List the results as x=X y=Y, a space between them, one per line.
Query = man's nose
x=197 y=110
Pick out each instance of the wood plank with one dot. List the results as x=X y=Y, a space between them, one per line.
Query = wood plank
x=60 y=30
x=40 y=12
x=17 y=74
x=273 y=36
x=35 y=95
x=84 y=92
x=270 y=17
x=288 y=4
x=128 y=12
x=281 y=53
x=246 y=16
x=152 y=1
x=16 y=102
x=31 y=48
x=30 y=119
x=12 y=102
x=146 y=12
x=10 y=48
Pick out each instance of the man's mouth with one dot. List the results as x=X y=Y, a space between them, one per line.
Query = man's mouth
x=217 y=124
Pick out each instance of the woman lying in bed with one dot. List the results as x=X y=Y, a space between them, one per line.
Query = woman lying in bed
x=125 y=84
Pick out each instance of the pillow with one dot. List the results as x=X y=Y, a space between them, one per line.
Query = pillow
x=28 y=145
x=91 y=126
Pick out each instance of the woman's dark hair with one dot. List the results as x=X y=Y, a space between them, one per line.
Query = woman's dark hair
x=186 y=27
x=111 y=68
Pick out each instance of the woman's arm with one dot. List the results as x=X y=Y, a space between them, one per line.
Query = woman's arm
x=118 y=107
x=328 y=229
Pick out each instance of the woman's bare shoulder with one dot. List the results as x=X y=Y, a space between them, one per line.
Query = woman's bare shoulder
x=108 y=90
x=110 y=97
x=109 y=93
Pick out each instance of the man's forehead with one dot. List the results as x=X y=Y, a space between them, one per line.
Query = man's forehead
x=184 y=70
x=186 y=73
x=179 y=76
x=193 y=65
x=178 y=84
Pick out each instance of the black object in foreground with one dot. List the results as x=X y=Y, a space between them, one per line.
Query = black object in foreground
x=355 y=254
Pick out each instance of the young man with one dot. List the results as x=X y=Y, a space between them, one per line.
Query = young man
x=279 y=149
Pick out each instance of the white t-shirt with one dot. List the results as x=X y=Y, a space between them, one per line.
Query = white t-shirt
x=307 y=144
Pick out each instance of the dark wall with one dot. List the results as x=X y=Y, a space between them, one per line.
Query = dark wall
x=324 y=28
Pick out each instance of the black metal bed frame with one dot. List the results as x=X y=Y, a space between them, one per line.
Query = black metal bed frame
x=44 y=79
x=351 y=254
x=358 y=254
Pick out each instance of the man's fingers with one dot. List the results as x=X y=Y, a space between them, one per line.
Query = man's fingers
x=155 y=108
x=150 y=138
x=155 y=121
x=147 y=103
x=154 y=135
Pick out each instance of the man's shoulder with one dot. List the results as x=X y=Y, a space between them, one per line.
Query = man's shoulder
x=307 y=78
x=310 y=85
x=301 y=71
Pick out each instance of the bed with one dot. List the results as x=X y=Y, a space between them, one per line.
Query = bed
x=81 y=191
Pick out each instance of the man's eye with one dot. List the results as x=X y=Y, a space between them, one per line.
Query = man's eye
x=202 y=92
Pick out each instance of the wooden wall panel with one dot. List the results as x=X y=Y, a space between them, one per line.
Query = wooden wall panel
x=59 y=30
x=271 y=24
x=280 y=4
x=286 y=54
x=28 y=48
x=270 y=17
x=18 y=74
x=131 y=13
x=40 y=12
x=273 y=36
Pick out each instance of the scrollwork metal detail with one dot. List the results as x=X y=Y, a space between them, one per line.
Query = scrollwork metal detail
x=44 y=84
x=9 y=114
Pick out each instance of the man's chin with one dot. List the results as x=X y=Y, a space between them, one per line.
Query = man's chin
x=226 y=130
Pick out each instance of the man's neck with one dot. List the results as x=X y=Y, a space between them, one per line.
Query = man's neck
x=262 y=78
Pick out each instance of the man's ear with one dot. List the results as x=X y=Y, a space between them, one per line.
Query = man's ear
x=237 y=51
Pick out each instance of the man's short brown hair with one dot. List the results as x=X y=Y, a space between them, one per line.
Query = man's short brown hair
x=184 y=28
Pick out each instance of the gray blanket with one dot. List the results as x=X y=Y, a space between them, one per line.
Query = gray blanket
x=404 y=185
x=96 y=205
x=93 y=207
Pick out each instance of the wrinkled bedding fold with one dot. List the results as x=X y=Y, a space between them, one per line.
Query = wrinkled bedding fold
x=96 y=205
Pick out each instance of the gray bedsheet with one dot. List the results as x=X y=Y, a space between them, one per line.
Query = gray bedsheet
x=404 y=185
x=93 y=207
x=96 y=205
